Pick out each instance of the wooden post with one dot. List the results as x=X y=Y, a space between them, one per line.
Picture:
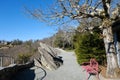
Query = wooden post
x=1 y=61
x=12 y=60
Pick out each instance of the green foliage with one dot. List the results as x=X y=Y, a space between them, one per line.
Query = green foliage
x=29 y=42
x=58 y=41
x=88 y=46
x=23 y=58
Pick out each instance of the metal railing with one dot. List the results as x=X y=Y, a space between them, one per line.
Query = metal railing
x=7 y=57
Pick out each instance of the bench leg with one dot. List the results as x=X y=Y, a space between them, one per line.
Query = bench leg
x=97 y=75
x=88 y=76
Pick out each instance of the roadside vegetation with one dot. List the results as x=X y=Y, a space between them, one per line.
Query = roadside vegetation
x=75 y=11
x=89 y=46
x=21 y=51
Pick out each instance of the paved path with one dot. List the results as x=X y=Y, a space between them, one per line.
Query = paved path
x=70 y=70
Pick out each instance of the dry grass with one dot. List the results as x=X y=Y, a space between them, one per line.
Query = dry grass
x=16 y=50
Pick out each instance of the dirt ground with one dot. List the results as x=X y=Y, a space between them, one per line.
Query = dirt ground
x=103 y=72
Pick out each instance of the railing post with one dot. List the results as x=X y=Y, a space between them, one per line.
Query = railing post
x=12 y=60
x=1 y=61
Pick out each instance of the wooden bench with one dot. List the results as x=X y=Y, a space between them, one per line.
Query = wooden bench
x=91 y=68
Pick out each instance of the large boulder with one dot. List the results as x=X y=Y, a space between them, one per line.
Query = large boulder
x=48 y=57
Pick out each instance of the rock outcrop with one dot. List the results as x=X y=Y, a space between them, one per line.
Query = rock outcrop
x=48 y=57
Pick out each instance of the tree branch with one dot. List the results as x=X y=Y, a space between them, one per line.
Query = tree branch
x=106 y=6
x=87 y=15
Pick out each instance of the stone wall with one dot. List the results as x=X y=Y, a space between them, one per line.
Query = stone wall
x=8 y=72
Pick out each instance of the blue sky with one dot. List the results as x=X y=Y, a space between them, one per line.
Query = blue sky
x=15 y=23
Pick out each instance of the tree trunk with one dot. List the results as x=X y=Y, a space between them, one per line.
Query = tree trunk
x=112 y=64
x=118 y=52
x=117 y=45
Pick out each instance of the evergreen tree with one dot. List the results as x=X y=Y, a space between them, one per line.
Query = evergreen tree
x=89 y=46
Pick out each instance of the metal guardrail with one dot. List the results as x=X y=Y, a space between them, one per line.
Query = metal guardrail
x=11 y=60
x=45 y=73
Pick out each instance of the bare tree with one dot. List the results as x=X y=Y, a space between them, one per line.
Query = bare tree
x=108 y=11
x=66 y=33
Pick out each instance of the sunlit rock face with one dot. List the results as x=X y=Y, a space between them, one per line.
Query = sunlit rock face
x=48 y=57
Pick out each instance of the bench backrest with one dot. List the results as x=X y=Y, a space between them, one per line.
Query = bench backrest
x=94 y=64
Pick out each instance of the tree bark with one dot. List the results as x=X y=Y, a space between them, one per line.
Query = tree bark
x=118 y=52
x=112 y=63
x=117 y=46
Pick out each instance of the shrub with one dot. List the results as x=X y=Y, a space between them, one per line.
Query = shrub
x=23 y=58
x=88 y=46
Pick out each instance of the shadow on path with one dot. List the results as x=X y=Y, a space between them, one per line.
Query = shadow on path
x=26 y=74
x=30 y=74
